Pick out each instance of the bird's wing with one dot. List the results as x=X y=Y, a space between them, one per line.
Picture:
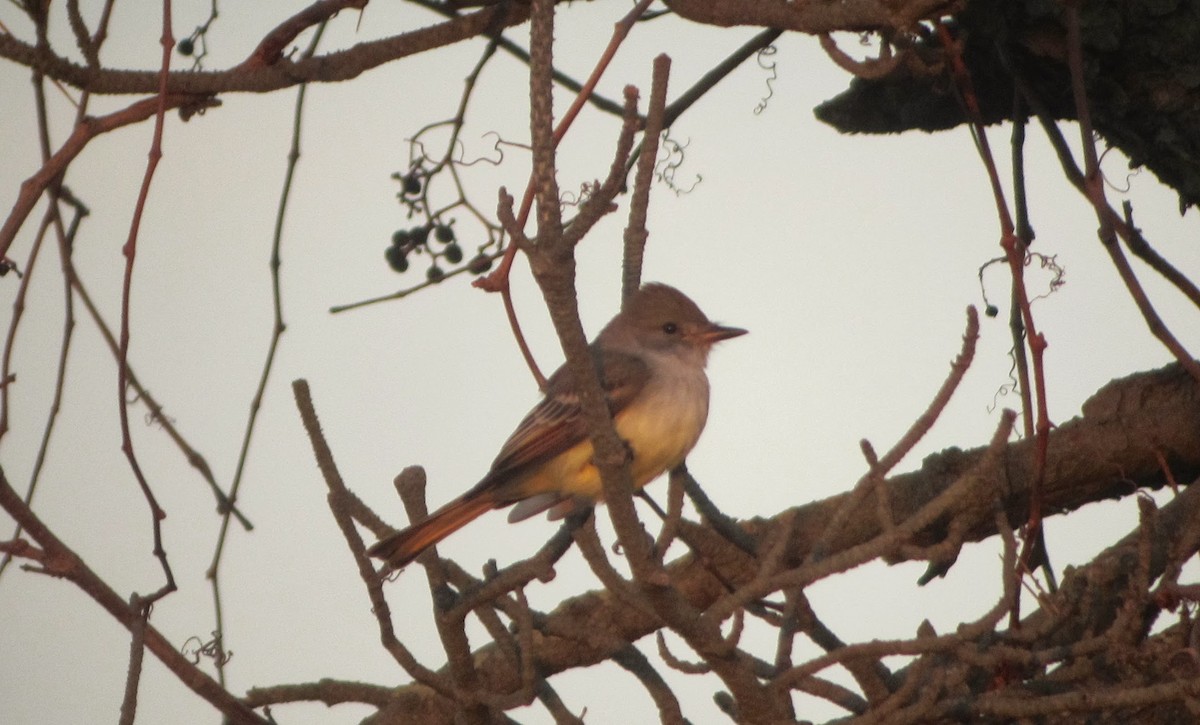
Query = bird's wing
x=556 y=424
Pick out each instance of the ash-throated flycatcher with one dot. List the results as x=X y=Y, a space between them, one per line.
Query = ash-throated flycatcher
x=650 y=359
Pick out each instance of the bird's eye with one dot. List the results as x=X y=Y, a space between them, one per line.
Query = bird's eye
x=670 y=328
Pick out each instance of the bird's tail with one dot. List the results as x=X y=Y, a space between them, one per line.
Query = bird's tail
x=399 y=549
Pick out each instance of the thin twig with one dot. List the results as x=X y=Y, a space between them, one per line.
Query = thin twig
x=137 y=648
x=1016 y=254
x=588 y=541
x=1094 y=183
x=982 y=472
x=157 y=412
x=635 y=230
x=18 y=314
x=676 y=482
x=59 y=560
x=451 y=631
x=88 y=129
x=157 y=514
x=1124 y=227
x=516 y=51
x=1016 y=321
x=637 y=664
x=337 y=490
x=277 y=330
x=65 y=239
x=498 y=281
x=915 y=432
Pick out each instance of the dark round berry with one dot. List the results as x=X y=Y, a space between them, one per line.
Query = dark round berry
x=186 y=46
x=480 y=264
x=401 y=238
x=991 y=311
x=453 y=254
x=419 y=235
x=412 y=185
x=443 y=233
x=396 y=259
x=435 y=274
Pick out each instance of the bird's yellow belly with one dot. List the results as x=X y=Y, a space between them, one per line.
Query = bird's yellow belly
x=659 y=439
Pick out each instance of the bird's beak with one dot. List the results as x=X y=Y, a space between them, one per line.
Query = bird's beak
x=715 y=333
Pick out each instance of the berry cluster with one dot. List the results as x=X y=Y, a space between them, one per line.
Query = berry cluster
x=417 y=239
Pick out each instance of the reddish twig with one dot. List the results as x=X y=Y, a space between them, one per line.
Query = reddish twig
x=270 y=48
x=130 y=251
x=1094 y=188
x=498 y=281
x=1122 y=223
x=84 y=132
x=1015 y=253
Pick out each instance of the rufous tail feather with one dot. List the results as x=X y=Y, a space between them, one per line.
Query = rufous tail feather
x=402 y=547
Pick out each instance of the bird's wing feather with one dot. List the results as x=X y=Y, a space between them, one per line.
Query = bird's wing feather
x=556 y=424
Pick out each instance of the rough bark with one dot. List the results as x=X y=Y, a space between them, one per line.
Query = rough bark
x=1140 y=62
x=1111 y=451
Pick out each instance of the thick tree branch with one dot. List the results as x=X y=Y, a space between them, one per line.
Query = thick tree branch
x=255 y=78
x=813 y=17
x=1111 y=451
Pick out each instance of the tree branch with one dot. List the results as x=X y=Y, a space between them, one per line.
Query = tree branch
x=1109 y=452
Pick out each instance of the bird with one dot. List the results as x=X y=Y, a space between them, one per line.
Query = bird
x=651 y=360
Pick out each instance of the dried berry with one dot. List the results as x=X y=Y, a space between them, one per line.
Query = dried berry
x=186 y=46
x=443 y=233
x=401 y=238
x=419 y=235
x=396 y=259
x=991 y=311
x=480 y=264
x=435 y=274
x=412 y=184
x=453 y=254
